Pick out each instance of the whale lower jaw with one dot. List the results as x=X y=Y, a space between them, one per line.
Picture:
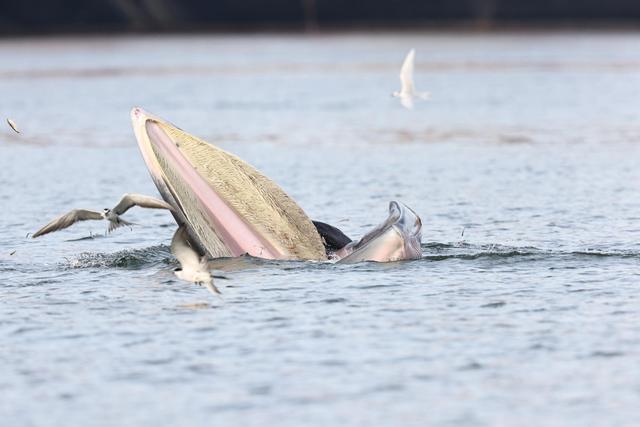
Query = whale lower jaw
x=227 y=206
x=397 y=238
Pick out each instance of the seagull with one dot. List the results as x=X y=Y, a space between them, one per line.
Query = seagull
x=407 y=90
x=13 y=125
x=193 y=268
x=127 y=201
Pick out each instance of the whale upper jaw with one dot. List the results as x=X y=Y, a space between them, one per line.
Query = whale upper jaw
x=228 y=207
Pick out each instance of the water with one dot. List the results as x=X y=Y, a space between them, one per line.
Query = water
x=530 y=145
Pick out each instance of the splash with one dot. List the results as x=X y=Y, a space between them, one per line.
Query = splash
x=131 y=259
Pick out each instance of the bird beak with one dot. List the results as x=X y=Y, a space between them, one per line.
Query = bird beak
x=228 y=207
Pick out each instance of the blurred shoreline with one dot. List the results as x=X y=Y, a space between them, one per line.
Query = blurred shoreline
x=60 y=17
x=337 y=30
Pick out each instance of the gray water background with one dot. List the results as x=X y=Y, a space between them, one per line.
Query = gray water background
x=530 y=144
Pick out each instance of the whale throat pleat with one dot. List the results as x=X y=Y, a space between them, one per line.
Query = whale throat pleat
x=262 y=205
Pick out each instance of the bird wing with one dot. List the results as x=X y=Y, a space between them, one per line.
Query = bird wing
x=406 y=73
x=68 y=219
x=13 y=125
x=130 y=200
x=188 y=258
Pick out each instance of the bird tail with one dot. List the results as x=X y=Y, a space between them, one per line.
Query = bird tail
x=424 y=95
x=117 y=224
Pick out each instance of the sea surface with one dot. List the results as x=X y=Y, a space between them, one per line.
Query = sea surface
x=524 y=167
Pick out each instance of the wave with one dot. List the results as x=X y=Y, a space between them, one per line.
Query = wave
x=435 y=251
x=431 y=251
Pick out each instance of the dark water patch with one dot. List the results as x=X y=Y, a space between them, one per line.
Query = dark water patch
x=471 y=366
x=461 y=250
x=152 y=362
x=202 y=368
x=332 y=362
x=496 y=304
x=293 y=288
x=261 y=390
x=137 y=343
x=66 y=396
x=484 y=255
x=328 y=301
x=230 y=407
x=130 y=377
x=541 y=347
x=292 y=300
x=620 y=312
x=89 y=237
x=72 y=337
x=277 y=319
x=514 y=139
x=26 y=329
x=334 y=300
x=43 y=282
x=59 y=302
x=400 y=310
x=424 y=377
x=385 y=388
x=379 y=286
x=606 y=354
x=503 y=325
x=622 y=254
x=531 y=310
x=434 y=251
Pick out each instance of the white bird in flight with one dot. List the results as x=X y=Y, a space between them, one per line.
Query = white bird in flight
x=407 y=89
x=193 y=268
x=112 y=215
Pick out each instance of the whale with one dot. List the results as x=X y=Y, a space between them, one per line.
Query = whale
x=228 y=208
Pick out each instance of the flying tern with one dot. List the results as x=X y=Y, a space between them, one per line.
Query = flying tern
x=127 y=201
x=407 y=90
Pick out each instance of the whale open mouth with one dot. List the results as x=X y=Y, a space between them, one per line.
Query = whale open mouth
x=230 y=209
x=227 y=206
x=397 y=238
